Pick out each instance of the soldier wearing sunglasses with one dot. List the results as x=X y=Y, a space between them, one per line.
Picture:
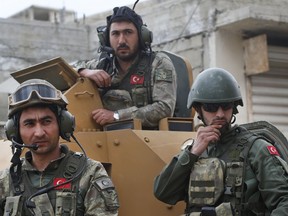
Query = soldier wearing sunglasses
x=226 y=170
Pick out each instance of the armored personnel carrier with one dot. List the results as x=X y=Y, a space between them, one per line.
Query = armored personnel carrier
x=132 y=157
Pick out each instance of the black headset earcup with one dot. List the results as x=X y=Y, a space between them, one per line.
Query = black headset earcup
x=10 y=129
x=146 y=36
x=66 y=124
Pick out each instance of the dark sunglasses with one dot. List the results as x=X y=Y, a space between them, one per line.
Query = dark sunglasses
x=213 y=107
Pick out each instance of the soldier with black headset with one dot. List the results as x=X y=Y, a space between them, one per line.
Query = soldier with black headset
x=133 y=80
x=50 y=179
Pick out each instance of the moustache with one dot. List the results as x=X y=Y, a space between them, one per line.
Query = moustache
x=218 y=120
x=122 y=46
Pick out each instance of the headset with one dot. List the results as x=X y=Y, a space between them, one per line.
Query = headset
x=66 y=122
x=146 y=36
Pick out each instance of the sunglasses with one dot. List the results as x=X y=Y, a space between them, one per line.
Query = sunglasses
x=213 y=107
x=42 y=91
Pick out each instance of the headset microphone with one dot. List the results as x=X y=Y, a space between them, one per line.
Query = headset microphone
x=16 y=144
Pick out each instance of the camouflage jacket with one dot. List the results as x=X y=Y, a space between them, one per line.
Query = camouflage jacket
x=93 y=193
x=147 y=91
x=266 y=179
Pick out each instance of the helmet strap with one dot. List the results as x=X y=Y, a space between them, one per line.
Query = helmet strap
x=233 y=119
x=200 y=117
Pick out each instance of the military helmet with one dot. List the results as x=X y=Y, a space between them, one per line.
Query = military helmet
x=215 y=85
x=34 y=91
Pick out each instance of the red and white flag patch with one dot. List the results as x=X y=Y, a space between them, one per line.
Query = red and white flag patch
x=58 y=181
x=136 y=79
x=272 y=150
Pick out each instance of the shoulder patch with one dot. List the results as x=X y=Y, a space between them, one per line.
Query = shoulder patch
x=106 y=188
x=104 y=182
x=272 y=150
x=164 y=68
x=163 y=75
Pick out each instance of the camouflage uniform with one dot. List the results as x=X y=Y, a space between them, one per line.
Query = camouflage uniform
x=131 y=98
x=95 y=195
x=266 y=177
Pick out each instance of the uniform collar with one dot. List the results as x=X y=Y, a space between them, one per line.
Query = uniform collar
x=53 y=164
x=134 y=63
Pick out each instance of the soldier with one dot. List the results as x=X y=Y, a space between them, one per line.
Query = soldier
x=135 y=82
x=50 y=179
x=225 y=170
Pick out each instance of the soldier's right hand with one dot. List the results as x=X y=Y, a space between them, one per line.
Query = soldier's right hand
x=204 y=136
x=100 y=77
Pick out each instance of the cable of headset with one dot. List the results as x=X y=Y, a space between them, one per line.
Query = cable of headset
x=29 y=203
x=15 y=168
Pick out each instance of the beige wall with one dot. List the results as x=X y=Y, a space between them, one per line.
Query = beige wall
x=228 y=54
x=5 y=154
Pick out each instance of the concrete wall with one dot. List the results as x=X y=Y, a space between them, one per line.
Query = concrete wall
x=35 y=41
x=25 y=43
x=226 y=52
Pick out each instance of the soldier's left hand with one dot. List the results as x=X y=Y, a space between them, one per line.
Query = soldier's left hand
x=102 y=116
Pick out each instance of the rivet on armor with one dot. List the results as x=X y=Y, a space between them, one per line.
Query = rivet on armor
x=116 y=142
x=146 y=139
x=99 y=144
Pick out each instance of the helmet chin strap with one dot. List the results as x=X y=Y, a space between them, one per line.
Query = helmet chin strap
x=200 y=117
x=233 y=119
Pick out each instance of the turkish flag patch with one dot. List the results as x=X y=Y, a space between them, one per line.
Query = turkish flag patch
x=136 y=79
x=58 y=181
x=272 y=150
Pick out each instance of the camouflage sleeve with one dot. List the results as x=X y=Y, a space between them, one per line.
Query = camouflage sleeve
x=101 y=198
x=89 y=64
x=4 y=183
x=4 y=189
x=171 y=185
x=271 y=176
x=164 y=93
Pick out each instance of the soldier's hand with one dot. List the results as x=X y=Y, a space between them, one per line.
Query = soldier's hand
x=100 y=77
x=102 y=116
x=204 y=136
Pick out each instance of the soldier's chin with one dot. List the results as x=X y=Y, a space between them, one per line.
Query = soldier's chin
x=224 y=128
x=125 y=56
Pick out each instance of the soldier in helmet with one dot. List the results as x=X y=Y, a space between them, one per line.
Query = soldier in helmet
x=225 y=170
x=134 y=82
x=50 y=179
